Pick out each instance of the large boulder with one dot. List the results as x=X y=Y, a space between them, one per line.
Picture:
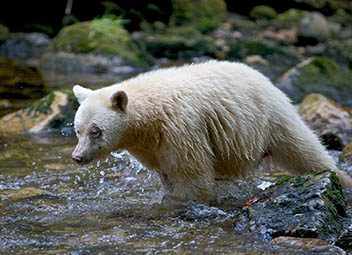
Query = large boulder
x=318 y=75
x=306 y=206
x=53 y=112
x=25 y=48
x=332 y=121
x=100 y=45
x=313 y=28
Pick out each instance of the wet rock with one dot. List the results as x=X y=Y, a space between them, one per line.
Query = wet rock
x=313 y=28
x=204 y=15
x=310 y=206
x=345 y=240
x=4 y=33
x=183 y=42
x=101 y=45
x=25 y=48
x=317 y=75
x=332 y=121
x=55 y=111
x=263 y=12
x=307 y=244
x=23 y=193
x=346 y=155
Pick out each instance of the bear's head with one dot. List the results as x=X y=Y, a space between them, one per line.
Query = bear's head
x=99 y=122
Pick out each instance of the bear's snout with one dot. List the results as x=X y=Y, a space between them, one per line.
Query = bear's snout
x=77 y=158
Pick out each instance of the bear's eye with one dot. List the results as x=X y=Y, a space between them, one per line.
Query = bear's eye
x=95 y=132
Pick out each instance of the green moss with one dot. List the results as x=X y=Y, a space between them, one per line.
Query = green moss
x=180 y=42
x=322 y=75
x=101 y=36
x=263 y=12
x=283 y=180
x=289 y=18
x=204 y=14
x=4 y=33
x=43 y=105
x=335 y=196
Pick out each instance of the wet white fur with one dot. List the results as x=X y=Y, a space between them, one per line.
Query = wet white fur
x=199 y=122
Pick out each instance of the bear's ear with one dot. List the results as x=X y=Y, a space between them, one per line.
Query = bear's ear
x=119 y=100
x=81 y=93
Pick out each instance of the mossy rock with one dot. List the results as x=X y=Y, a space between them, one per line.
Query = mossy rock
x=289 y=18
x=4 y=33
x=53 y=112
x=263 y=12
x=183 y=42
x=310 y=206
x=318 y=75
x=331 y=121
x=103 y=36
x=204 y=14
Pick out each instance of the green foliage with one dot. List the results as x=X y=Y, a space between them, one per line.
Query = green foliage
x=325 y=72
x=263 y=12
x=101 y=36
x=4 y=32
x=47 y=29
x=180 y=42
x=289 y=18
x=204 y=14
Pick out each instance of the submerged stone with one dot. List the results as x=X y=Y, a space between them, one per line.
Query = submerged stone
x=24 y=193
x=310 y=206
x=313 y=245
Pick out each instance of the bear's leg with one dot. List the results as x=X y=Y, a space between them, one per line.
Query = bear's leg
x=298 y=150
x=187 y=184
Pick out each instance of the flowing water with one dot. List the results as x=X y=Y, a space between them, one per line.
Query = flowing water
x=49 y=205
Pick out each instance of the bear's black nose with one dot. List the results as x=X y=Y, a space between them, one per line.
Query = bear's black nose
x=77 y=158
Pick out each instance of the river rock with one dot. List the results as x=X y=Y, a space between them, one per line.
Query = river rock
x=25 y=48
x=55 y=111
x=313 y=245
x=310 y=206
x=317 y=75
x=313 y=28
x=332 y=121
x=23 y=193
x=97 y=46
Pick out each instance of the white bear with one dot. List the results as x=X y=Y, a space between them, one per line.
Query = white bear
x=196 y=123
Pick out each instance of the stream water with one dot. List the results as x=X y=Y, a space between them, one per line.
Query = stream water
x=49 y=205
